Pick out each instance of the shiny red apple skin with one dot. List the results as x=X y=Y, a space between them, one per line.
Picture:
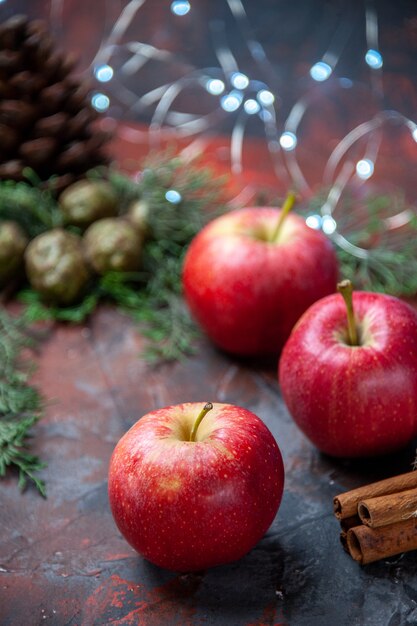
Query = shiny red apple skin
x=187 y=506
x=246 y=292
x=353 y=401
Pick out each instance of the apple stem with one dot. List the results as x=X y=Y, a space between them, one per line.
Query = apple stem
x=286 y=208
x=345 y=288
x=207 y=407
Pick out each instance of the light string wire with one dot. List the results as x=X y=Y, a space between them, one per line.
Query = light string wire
x=281 y=135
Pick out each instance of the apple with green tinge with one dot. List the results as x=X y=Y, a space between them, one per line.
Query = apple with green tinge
x=250 y=274
x=348 y=373
x=193 y=486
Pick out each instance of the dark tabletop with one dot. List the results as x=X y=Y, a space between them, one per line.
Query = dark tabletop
x=63 y=560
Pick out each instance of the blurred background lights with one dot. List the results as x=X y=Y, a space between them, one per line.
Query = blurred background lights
x=328 y=224
x=265 y=97
x=239 y=80
x=414 y=134
x=103 y=73
x=215 y=86
x=180 y=7
x=230 y=102
x=266 y=116
x=314 y=221
x=320 y=71
x=345 y=83
x=100 y=102
x=365 y=168
x=288 y=141
x=374 y=59
x=173 y=196
x=251 y=106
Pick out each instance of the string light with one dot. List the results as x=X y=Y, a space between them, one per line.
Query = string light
x=314 y=221
x=320 y=71
x=173 y=196
x=100 y=102
x=239 y=80
x=251 y=106
x=215 y=86
x=265 y=97
x=180 y=7
x=231 y=102
x=328 y=224
x=103 y=73
x=365 y=168
x=346 y=83
x=266 y=116
x=251 y=94
x=288 y=141
x=374 y=59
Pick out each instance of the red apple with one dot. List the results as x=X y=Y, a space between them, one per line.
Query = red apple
x=247 y=278
x=190 y=493
x=353 y=396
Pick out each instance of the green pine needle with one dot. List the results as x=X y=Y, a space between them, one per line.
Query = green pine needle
x=387 y=261
x=36 y=310
x=20 y=404
x=31 y=206
x=13 y=451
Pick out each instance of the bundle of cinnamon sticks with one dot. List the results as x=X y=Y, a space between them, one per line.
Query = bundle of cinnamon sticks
x=379 y=520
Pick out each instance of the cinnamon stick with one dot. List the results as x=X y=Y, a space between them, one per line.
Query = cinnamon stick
x=346 y=504
x=345 y=524
x=343 y=541
x=350 y=522
x=367 y=545
x=388 y=509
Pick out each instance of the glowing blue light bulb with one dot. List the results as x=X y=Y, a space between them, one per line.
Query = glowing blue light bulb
x=180 y=7
x=215 y=86
x=374 y=59
x=103 y=73
x=328 y=224
x=230 y=102
x=314 y=221
x=173 y=196
x=320 y=71
x=100 y=102
x=265 y=97
x=365 y=168
x=251 y=106
x=239 y=80
x=288 y=141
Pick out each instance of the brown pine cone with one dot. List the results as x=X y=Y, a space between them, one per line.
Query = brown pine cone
x=46 y=117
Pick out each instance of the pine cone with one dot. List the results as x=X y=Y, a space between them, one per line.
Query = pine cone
x=46 y=119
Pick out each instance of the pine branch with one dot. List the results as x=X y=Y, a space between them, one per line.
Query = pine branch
x=31 y=206
x=13 y=451
x=387 y=261
x=152 y=296
x=20 y=404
